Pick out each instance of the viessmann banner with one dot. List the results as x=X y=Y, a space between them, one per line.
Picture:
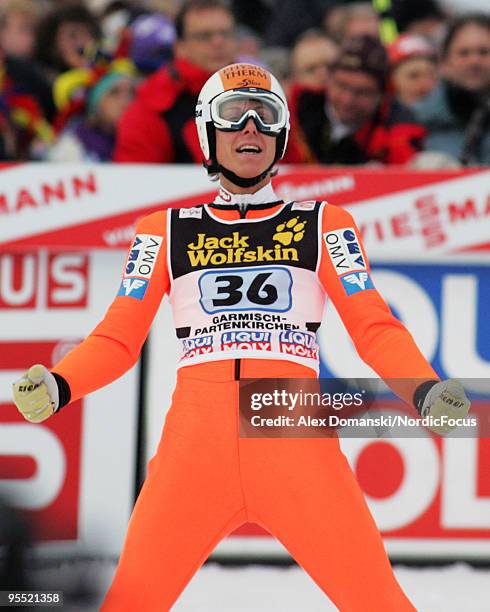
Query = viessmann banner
x=96 y=206
x=63 y=234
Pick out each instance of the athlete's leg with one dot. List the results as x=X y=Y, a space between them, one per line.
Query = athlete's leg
x=190 y=500
x=304 y=492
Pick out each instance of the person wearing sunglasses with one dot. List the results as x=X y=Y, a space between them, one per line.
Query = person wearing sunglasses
x=242 y=273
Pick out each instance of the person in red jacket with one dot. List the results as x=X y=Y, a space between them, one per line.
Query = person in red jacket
x=158 y=127
x=351 y=120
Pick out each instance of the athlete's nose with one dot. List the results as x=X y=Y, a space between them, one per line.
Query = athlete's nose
x=250 y=127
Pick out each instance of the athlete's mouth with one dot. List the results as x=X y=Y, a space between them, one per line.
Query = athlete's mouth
x=248 y=148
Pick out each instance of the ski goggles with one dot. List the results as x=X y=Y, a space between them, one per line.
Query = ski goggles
x=231 y=110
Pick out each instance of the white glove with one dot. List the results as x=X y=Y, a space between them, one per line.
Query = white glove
x=446 y=401
x=36 y=394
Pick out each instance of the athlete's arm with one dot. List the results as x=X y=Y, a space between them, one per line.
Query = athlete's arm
x=114 y=345
x=381 y=340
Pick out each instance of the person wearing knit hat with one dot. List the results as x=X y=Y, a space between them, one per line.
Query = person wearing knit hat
x=360 y=66
x=152 y=40
x=352 y=120
x=91 y=136
x=363 y=54
x=106 y=87
x=414 y=68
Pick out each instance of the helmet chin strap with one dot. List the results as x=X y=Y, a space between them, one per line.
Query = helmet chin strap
x=244 y=182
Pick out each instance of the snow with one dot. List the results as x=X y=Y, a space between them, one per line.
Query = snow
x=453 y=588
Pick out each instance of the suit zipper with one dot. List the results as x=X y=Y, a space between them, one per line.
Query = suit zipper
x=243 y=210
x=237 y=369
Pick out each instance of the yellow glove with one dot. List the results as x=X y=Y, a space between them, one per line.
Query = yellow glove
x=36 y=394
x=446 y=401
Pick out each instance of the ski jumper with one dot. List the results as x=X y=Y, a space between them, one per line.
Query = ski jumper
x=247 y=287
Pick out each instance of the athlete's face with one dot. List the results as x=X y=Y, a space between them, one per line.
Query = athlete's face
x=247 y=152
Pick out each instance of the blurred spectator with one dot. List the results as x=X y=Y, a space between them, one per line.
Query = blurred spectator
x=114 y=18
x=289 y=18
x=91 y=137
x=421 y=17
x=151 y=42
x=413 y=64
x=354 y=20
x=26 y=107
x=253 y=14
x=249 y=46
x=67 y=38
x=170 y=8
x=352 y=121
x=457 y=112
x=343 y=115
x=277 y=60
x=7 y=137
x=19 y=71
x=159 y=125
x=206 y=34
x=147 y=38
x=17 y=28
x=311 y=57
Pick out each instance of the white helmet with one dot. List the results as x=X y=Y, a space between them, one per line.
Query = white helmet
x=221 y=106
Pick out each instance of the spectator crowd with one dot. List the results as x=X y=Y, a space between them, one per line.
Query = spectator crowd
x=382 y=83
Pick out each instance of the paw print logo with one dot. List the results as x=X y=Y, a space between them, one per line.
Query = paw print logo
x=290 y=231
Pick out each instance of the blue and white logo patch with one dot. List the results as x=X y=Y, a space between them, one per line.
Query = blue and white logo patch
x=356 y=281
x=133 y=287
x=344 y=250
x=143 y=255
x=138 y=240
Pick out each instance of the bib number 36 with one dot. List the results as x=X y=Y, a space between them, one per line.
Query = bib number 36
x=246 y=289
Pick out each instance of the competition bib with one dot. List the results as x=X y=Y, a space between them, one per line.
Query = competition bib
x=246 y=288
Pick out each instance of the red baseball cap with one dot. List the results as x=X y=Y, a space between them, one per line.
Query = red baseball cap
x=407 y=46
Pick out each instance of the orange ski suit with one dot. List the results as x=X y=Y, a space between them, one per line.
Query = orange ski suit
x=205 y=480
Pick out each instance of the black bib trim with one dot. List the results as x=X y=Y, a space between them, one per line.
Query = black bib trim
x=288 y=238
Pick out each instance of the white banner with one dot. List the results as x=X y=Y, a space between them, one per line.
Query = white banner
x=84 y=205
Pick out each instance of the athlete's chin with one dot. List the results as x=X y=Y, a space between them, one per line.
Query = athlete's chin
x=248 y=168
